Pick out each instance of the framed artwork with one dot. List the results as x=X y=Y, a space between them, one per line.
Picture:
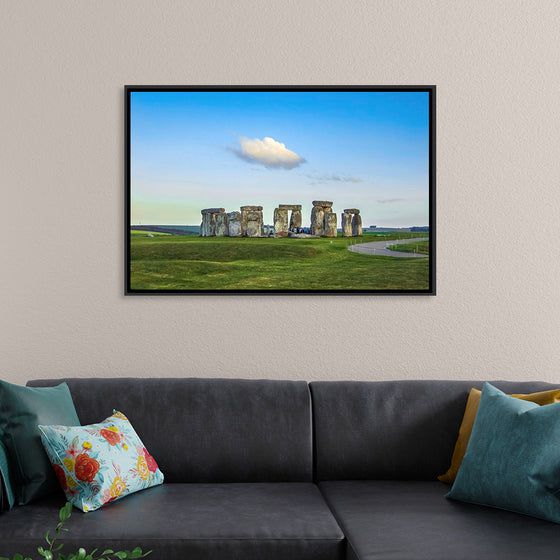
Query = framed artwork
x=280 y=189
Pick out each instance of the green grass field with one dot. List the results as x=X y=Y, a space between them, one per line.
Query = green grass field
x=184 y=262
x=420 y=247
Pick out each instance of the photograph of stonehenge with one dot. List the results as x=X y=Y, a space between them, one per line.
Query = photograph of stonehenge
x=249 y=222
x=280 y=189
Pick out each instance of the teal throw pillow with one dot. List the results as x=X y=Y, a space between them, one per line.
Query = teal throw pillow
x=99 y=463
x=512 y=461
x=21 y=410
x=6 y=489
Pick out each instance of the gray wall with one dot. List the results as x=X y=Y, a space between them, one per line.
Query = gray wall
x=64 y=64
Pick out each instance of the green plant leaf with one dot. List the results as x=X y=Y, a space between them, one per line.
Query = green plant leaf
x=68 y=508
x=18 y=557
x=58 y=547
x=47 y=537
x=121 y=555
x=4 y=558
x=108 y=551
x=65 y=512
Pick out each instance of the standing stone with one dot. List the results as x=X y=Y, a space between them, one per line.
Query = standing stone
x=330 y=225
x=205 y=225
x=346 y=224
x=252 y=223
x=357 y=226
x=212 y=225
x=280 y=222
x=234 y=225
x=208 y=225
x=356 y=222
x=317 y=220
x=295 y=220
x=320 y=208
x=222 y=225
x=295 y=217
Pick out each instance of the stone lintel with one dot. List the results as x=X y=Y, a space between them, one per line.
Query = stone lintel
x=212 y=210
x=289 y=206
x=352 y=211
x=322 y=203
x=251 y=208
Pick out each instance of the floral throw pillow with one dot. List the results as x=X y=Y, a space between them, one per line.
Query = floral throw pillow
x=99 y=463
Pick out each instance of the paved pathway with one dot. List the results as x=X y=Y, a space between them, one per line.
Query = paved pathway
x=379 y=248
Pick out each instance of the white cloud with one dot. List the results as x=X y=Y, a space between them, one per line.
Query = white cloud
x=389 y=200
x=267 y=152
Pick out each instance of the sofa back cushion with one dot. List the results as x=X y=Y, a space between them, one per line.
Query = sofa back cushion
x=208 y=430
x=394 y=430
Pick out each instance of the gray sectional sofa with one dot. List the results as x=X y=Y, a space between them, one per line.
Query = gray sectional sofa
x=267 y=470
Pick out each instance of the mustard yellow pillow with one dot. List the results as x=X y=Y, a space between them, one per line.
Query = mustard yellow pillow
x=542 y=398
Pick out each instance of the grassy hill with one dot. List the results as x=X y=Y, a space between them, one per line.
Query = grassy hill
x=173 y=262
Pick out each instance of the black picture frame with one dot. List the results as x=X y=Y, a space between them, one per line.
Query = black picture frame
x=169 y=259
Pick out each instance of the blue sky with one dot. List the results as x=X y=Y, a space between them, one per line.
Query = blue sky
x=194 y=150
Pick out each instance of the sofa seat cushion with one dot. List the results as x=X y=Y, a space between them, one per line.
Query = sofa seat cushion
x=288 y=521
x=411 y=520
